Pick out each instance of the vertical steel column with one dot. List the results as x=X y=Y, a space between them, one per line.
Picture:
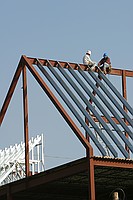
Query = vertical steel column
x=91 y=179
x=25 y=103
x=86 y=135
x=124 y=92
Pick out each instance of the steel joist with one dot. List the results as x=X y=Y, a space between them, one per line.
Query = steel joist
x=70 y=106
x=87 y=103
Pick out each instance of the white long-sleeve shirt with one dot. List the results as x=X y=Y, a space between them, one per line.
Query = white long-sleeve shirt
x=87 y=60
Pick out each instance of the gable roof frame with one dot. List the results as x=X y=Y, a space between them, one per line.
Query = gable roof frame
x=25 y=63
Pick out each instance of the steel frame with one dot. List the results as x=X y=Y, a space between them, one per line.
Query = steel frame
x=28 y=62
x=12 y=160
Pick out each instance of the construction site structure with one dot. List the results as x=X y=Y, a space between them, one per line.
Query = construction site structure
x=101 y=118
x=12 y=160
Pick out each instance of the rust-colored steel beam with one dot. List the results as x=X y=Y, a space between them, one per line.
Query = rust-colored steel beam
x=86 y=135
x=10 y=91
x=54 y=63
x=111 y=162
x=118 y=72
x=47 y=176
x=57 y=104
x=26 y=135
x=61 y=172
x=124 y=91
x=91 y=184
x=105 y=119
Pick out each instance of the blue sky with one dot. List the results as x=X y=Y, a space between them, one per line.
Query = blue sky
x=59 y=30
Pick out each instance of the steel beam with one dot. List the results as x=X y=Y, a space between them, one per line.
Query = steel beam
x=107 y=121
x=109 y=162
x=125 y=103
x=82 y=96
x=78 y=104
x=87 y=136
x=101 y=108
x=70 y=106
x=124 y=92
x=10 y=91
x=92 y=195
x=105 y=101
x=117 y=72
x=63 y=171
x=26 y=130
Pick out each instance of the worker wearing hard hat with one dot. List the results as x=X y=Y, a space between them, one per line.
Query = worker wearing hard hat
x=105 y=64
x=87 y=60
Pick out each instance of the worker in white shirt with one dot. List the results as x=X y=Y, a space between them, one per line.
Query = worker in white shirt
x=87 y=60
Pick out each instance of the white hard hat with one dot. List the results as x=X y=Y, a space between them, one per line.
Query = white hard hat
x=89 y=52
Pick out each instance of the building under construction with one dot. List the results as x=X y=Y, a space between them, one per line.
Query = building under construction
x=101 y=118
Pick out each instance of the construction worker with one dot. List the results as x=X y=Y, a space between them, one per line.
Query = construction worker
x=105 y=64
x=87 y=60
